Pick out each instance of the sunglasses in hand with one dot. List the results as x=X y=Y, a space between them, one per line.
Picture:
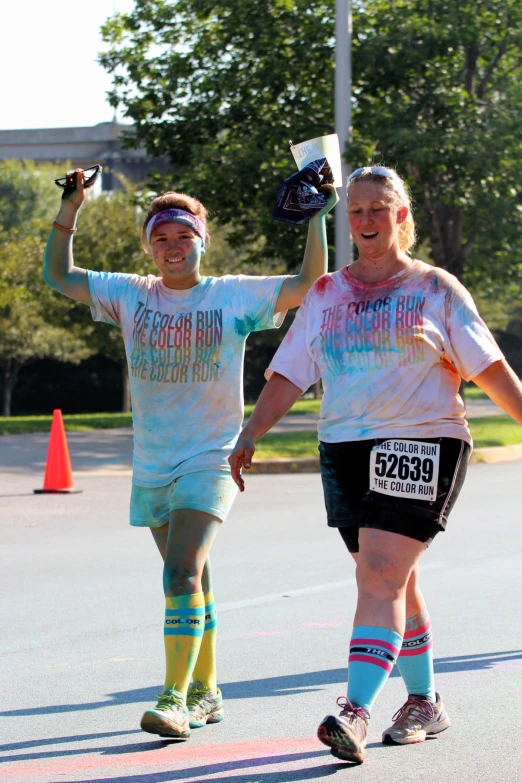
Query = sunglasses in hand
x=68 y=183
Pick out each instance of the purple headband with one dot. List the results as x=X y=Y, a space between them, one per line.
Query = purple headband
x=176 y=216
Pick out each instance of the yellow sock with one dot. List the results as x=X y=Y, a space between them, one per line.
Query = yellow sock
x=205 y=668
x=184 y=624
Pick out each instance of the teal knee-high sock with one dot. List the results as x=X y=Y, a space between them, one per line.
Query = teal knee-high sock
x=415 y=661
x=373 y=651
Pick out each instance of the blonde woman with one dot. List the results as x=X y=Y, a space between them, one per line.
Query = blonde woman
x=391 y=337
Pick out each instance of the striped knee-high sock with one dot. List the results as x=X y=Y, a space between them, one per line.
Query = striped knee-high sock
x=184 y=623
x=205 y=668
x=415 y=661
x=373 y=651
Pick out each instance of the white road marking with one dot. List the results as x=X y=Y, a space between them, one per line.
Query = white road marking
x=273 y=597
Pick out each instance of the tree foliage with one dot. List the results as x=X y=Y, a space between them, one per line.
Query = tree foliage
x=32 y=324
x=220 y=87
x=27 y=196
x=438 y=91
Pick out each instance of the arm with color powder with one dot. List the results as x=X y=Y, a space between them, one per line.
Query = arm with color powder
x=502 y=386
x=276 y=399
x=315 y=260
x=59 y=270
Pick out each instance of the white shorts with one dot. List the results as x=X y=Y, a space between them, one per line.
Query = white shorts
x=212 y=491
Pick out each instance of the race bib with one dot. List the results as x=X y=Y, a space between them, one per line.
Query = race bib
x=405 y=469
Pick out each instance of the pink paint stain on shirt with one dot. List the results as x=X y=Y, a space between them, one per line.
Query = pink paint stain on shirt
x=322 y=284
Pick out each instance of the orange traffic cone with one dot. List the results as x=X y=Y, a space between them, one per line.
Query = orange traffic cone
x=58 y=473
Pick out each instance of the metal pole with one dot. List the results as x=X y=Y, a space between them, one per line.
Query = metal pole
x=343 y=121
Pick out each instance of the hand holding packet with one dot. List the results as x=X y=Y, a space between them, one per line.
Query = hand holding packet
x=298 y=198
x=321 y=147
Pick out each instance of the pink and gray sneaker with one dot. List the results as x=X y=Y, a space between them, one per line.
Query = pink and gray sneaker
x=347 y=733
x=415 y=720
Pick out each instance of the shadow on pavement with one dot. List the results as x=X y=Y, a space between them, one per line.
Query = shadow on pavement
x=292 y=776
x=285 y=685
x=206 y=769
x=17 y=495
x=106 y=750
x=58 y=740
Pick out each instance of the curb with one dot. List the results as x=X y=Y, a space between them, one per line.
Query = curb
x=311 y=464
x=497 y=454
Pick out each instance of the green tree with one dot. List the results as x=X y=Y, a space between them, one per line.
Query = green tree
x=439 y=93
x=220 y=87
x=32 y=325
x=28 y=195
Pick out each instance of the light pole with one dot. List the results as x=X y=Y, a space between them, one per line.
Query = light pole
x=343 y=120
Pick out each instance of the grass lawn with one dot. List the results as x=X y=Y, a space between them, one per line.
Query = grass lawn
x=307 y=407
x=292 y=444
x=473 y=392
x=16 y=425
x=488 y=431
x=495 y=431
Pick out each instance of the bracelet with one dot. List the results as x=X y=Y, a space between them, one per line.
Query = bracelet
x=63 y=228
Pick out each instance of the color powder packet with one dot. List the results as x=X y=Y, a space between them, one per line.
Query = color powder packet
x=298 y=198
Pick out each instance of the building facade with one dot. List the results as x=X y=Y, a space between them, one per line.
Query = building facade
x=102 y=143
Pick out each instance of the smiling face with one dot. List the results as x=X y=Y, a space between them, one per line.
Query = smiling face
x=374 y=220
x=176 y=251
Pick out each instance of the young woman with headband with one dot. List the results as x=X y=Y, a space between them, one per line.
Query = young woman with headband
x=184 y=336
x=391 y=338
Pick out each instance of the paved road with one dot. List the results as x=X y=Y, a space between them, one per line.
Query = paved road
x=81 y=618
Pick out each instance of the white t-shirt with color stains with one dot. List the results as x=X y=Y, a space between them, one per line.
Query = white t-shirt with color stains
x=185 y=353
x=390 y=354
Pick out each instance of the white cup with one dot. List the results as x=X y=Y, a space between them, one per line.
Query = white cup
x=321 y=147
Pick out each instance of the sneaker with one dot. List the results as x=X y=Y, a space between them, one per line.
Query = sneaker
x=347 y=734
x=169 y=718
x=417 y=718
x=204 y=706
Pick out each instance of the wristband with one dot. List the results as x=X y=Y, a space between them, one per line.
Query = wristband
x=63 y=228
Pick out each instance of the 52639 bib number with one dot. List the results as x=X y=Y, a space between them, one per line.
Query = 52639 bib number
x=405 y=469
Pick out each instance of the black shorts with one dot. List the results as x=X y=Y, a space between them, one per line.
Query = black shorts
x=351 y=504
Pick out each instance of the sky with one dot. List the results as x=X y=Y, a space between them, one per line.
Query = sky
x=50 y=77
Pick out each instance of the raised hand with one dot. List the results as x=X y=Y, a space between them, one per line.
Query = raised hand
x=80 y=193
x=333 y=198
x=76 y=180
